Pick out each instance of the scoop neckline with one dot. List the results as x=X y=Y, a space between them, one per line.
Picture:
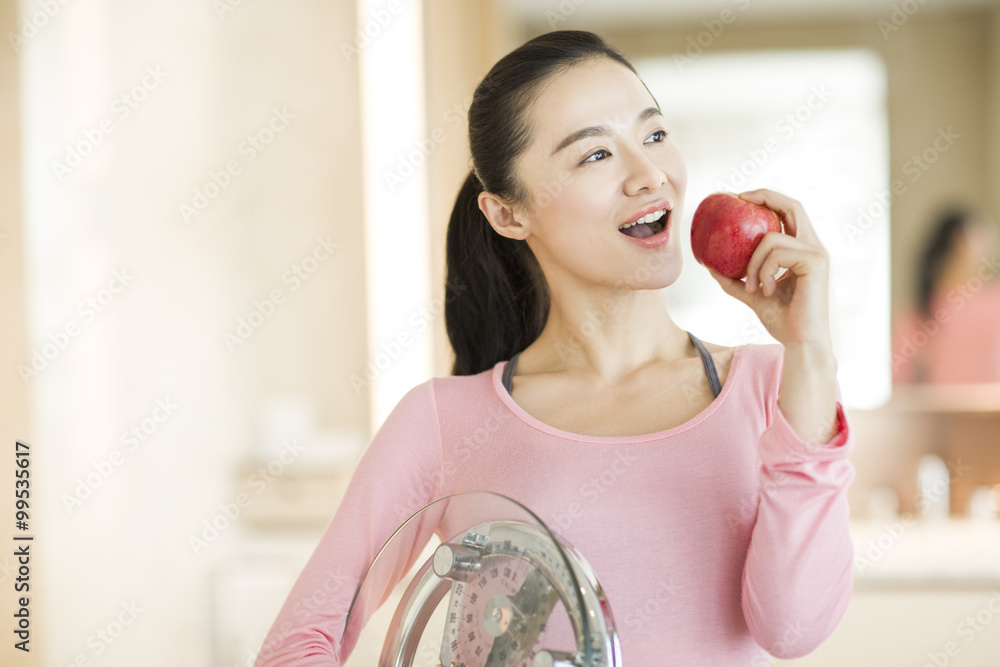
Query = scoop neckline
x=735 y=367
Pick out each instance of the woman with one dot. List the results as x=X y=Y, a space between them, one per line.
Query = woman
x=953 y=334
x=717 y=472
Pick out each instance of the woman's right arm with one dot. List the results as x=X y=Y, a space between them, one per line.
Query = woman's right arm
x=398 y=474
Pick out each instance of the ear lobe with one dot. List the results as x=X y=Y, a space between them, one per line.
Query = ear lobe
x=501 y=217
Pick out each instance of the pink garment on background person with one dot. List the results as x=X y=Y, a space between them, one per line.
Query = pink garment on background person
x=959 y=342
x=739 y=528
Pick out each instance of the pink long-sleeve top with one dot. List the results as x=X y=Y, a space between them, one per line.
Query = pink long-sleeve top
x=714 y=540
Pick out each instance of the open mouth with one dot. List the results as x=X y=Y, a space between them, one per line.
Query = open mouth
x=652 y=223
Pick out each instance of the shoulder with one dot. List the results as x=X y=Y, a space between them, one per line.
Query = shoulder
x=756 y=351
x=414 y=411
x=758 y=360
x=762 y=357
x=452 y=389
x=443 y=394
x=760 y=369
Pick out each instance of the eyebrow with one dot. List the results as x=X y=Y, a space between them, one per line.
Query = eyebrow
x=598 y=130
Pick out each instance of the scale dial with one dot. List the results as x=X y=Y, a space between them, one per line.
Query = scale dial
x=504 y=593
x=498 y=609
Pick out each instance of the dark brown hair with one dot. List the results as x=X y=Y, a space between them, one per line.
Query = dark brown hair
x=496 y=298
x=937 y=251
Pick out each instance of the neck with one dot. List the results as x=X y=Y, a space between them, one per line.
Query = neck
x=610 y=333
x=956 y=272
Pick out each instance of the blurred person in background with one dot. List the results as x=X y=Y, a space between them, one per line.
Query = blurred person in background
x=952 y=335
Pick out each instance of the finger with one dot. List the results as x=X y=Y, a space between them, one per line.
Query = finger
x=798 y=262
x=768 y=243
x=793 y=216
x=768 y=271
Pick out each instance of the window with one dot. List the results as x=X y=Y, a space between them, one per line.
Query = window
x=812 y=125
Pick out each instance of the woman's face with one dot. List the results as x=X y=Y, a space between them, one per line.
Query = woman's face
x=600 y=156
x=980 y=242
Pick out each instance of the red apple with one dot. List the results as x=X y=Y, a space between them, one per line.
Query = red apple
x=725 y=231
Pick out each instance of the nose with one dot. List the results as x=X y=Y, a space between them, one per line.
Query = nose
x=643 y=174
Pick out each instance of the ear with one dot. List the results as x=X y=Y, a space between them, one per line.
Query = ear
x=502 y=217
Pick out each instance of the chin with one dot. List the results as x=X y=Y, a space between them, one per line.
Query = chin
x=661 y=270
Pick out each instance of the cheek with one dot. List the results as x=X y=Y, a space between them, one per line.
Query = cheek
x=575 y=225
x=580 y=205
x=677 y=170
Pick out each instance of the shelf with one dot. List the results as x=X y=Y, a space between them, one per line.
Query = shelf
x=941 y=554
x=951 y=398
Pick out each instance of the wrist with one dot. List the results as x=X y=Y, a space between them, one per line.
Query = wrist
x=815 y=355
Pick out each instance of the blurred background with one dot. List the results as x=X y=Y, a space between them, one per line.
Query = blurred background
x=222 y=264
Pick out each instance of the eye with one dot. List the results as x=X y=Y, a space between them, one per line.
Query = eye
x=594 y=154
x=662 y=133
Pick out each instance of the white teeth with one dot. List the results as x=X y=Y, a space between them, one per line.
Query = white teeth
x=649 y=217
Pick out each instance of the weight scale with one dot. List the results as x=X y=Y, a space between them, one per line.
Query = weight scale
x=505 y=592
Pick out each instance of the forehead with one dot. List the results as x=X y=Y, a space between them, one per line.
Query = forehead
x=598 y=91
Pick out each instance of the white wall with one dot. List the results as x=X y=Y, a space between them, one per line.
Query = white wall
x=269 y=70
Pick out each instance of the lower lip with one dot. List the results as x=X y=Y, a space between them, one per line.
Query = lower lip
x=654 y=241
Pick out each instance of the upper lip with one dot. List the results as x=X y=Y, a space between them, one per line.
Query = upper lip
x=652 y=208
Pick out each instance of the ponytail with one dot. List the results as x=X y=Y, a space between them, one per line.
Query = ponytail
x=496 y=299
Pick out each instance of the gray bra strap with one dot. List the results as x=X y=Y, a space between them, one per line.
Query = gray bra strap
x=706 y=358
x=508 y=372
